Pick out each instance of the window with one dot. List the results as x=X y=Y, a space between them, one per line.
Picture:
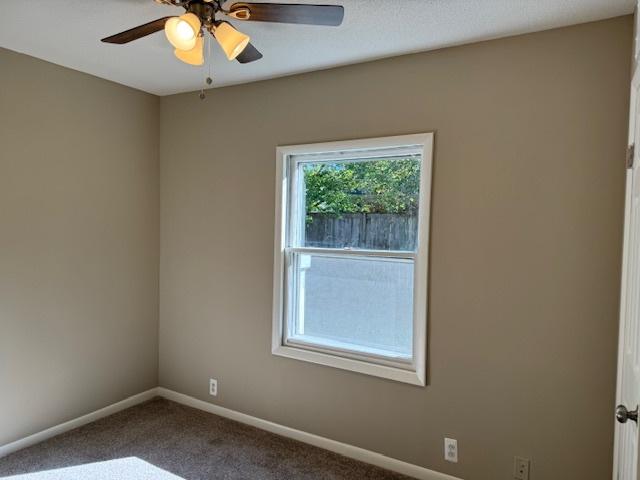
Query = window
x=351 y=255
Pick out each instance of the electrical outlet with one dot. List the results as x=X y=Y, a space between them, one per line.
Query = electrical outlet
x=213 y=387
x=451 y=450
x=521 y=468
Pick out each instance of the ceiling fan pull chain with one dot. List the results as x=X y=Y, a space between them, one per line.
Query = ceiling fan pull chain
x=209 y=61
x=208 y=81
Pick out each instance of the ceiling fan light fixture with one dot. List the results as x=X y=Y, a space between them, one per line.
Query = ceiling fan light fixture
x=232 y=41
x=195 y=56
x=182 y=32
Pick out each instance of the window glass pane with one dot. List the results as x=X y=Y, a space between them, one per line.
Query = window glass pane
x=366 y=204
x=362 y=304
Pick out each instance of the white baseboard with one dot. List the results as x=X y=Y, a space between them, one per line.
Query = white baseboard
x=344 y=449
x=77 y=422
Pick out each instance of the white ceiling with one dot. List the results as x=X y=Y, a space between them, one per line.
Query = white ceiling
x=68 y=32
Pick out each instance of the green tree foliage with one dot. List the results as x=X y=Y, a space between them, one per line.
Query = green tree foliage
x=380 y=186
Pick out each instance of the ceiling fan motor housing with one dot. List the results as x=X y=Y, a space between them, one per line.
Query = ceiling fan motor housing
x=205 y=11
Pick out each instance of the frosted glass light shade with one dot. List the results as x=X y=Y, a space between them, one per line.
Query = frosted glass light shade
x=195 y=56
x=182 y=32
x=231 y=40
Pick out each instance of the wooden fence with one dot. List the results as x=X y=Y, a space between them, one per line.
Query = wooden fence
x=380 y=231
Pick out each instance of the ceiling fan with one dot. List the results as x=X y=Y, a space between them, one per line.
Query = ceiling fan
x=186 y=32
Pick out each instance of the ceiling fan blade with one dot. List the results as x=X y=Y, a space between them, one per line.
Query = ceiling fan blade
x=330 y=15
x=249 y=54
x=137 y=32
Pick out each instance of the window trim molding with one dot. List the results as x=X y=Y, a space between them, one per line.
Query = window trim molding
x=417 y=374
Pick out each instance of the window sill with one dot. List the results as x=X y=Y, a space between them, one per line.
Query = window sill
x=382 y=371
x=322 y=343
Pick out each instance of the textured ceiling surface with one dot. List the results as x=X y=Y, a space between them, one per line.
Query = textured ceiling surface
x=68 y=33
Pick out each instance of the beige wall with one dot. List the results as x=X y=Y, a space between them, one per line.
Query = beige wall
x=525 y=253
x=79 y=250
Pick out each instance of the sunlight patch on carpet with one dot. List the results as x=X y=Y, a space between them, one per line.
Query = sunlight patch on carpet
x=131 y=468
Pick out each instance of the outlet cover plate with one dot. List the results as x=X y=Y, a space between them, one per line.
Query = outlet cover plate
x=521 y=468
x=213 y=387
x=451 y=450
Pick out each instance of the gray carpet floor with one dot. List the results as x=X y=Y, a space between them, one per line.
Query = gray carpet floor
x=182 y=441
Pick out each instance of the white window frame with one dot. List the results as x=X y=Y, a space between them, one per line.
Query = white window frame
x=413 y=372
